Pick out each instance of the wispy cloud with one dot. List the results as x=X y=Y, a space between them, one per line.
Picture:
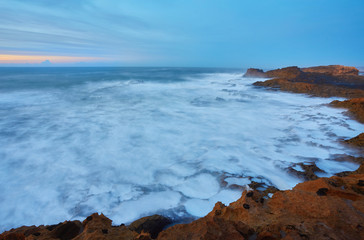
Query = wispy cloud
x=86 y=29
x=23 y=59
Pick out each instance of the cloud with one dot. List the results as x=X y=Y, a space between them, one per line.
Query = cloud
x=36 y=59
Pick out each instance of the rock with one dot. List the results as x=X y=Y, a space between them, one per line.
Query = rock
x=355 y=107
x=285 y=73
x=357 y=141
x=309 y=171
x=13 y=236
x=322 y=81
x=326 y=208
x=318 y=90
x=66 y=230
x=255 y=73
x=152 y=224
x=333 y=70
x=99 y=227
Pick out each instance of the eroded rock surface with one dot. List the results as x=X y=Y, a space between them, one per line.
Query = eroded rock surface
x=355 y=107
x=326 y=208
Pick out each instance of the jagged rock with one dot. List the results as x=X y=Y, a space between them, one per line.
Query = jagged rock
x=285 y=73
x=255 y=73
x=309 y=171
x=357 y=141
x=66 y=230
x=152 y=225
x=355 y=107
x=99 y=227
x=326 y=208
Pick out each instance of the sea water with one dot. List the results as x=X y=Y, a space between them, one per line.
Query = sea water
x=131 y=142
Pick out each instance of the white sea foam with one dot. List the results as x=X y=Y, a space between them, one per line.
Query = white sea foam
x=133 y=148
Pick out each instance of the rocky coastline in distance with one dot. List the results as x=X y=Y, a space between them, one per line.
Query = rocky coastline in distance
x=320 y=208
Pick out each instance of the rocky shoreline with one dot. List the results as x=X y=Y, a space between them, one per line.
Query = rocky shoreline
x=320 y=208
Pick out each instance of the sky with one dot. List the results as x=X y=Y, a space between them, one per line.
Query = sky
x=181 y=33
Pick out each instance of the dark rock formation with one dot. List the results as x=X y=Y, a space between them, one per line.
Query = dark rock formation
x=325 y=81
x=357 y=141
x=152 y=225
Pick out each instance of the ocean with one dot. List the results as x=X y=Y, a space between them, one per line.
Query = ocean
x=132 y=142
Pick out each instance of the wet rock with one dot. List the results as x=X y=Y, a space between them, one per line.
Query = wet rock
x=322 y=191
x=318 y=90
x=97 y=226
x=250 y=194
x=326 y=208
x=309 y=171
x=355 y=108
x=67 y=230
x=299 y=213
x=13 y=236
x=361 y=183
x=255 y=73
x=152 y=224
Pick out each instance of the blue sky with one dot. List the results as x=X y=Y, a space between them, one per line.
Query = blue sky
x=206 y=33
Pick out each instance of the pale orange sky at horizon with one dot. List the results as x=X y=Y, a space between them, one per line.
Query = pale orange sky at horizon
x=34 y=59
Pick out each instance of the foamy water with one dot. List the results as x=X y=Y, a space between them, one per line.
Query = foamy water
x=134 y=142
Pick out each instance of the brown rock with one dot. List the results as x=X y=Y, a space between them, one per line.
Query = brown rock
x=357 y=141
x=355 y=107
x=99 y=227
x=255 y=73
x=67 y=230
x=285 y=73
x=323 y=81
x=326 y=208
x=152 y=225
x=333 y=70
x=309 y=171
x=322 y=90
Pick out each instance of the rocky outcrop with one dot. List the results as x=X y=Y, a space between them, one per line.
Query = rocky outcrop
x=255 y=73
x=325 y=81
x=322 y=90
x=357 y=141
x=355 y=107
x=326 y=208
x=333 y=70
x=152 y=225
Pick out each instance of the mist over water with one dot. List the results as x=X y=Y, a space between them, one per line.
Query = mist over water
x=131 y=142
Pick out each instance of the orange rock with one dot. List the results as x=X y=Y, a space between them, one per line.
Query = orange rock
x=327 y=208
x=333 y=70
x=355 y=107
